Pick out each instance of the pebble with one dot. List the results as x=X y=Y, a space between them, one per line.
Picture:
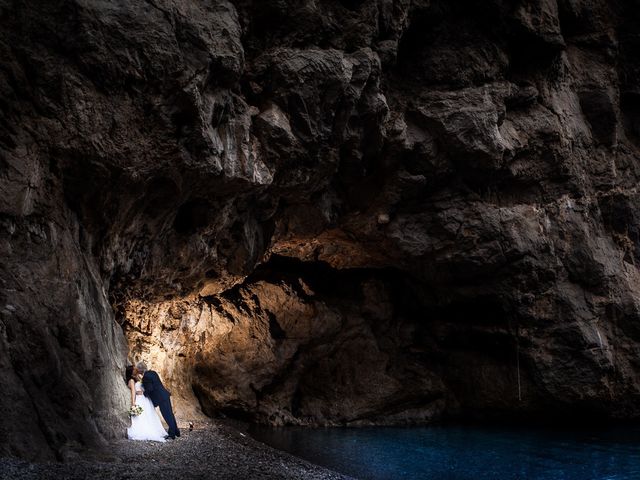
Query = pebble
x=212 y=451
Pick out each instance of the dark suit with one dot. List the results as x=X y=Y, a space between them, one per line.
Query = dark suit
x=160 y=397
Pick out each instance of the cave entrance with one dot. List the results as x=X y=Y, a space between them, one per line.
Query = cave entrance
x=300 y=342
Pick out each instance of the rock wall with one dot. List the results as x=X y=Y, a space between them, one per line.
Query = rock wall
x=381 y=211
x=296 y=343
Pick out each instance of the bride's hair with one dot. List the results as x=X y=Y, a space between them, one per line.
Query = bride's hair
x=128 y=374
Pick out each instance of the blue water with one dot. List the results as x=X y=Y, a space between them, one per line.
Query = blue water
x=462 y=453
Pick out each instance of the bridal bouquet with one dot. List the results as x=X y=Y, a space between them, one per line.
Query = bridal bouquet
x=135 y=410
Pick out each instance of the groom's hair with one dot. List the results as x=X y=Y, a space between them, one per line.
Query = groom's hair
x=142 y=367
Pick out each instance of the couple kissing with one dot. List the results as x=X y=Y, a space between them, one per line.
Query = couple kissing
x=147 y=393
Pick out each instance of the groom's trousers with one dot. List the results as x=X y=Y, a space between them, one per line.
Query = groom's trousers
x=167 y=414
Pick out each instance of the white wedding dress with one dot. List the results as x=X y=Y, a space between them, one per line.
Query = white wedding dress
x=147 y=425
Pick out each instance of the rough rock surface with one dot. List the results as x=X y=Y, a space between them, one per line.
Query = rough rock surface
x=373 y=211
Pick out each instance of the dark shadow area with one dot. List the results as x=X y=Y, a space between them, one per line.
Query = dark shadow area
x=192 y=216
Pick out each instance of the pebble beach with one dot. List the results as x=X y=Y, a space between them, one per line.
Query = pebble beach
x=210 y=451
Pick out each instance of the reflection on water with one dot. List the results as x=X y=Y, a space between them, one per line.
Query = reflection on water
x=461 y=453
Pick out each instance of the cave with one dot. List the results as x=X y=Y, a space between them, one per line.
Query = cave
x=342 y=213
x=265 y=346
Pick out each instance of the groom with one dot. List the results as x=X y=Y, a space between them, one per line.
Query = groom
x=159 y=396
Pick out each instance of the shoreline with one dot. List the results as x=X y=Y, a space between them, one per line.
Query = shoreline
x=212 y=450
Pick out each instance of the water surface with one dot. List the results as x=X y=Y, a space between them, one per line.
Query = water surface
x=461 y=453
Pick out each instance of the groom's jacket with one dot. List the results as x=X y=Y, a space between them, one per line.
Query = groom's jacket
x=153 y=388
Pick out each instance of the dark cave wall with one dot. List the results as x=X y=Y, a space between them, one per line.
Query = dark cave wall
x=153 y=154
x=61 y=352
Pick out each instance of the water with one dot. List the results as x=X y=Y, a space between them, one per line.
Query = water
x=462 y=453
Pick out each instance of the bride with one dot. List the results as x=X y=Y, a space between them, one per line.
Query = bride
x=145 y=426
